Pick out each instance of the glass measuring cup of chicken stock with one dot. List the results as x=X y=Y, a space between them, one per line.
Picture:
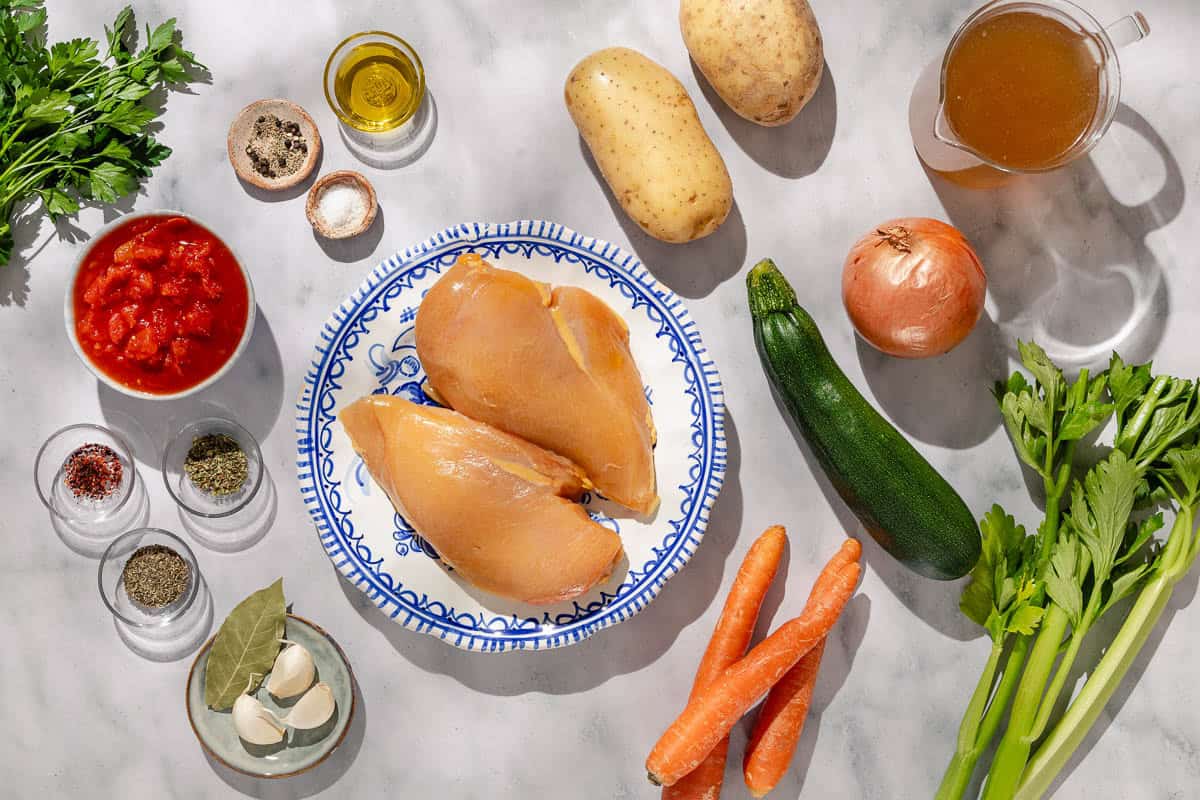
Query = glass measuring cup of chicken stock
x=1023 y=87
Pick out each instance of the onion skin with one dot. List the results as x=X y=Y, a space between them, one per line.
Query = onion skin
x=913 y=287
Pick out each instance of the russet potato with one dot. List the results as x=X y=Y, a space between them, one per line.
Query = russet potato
x=647 y=140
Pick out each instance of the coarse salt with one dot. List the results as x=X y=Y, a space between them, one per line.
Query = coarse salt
x=342 y=206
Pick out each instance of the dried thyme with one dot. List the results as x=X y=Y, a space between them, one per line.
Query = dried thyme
x=156 y=576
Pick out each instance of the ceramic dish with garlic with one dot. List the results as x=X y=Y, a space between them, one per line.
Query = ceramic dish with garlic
x=284 y=720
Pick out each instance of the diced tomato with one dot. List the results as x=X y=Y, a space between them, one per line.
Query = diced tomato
x=142 y=346
x=141 y=284
x=118 y=328
x=197 y=321
x=91 y=327
x=180 y=350
x=164 y=321
x=175 y=287
x=177 y=256
x=137 y=252
x=212 y=290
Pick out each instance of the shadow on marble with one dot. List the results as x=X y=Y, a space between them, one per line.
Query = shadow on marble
x=694 y=269
x=356 y=248
x=76 y=537
x=793 y=150
x=836 y=664
x=239 y=531
x=15 y=275
x=934 y=602
x=251 y=393
x=1068 y=263
x=196 y=626
x=627 y=647
x=957 y=384
x=392 y=151
x=310 y=783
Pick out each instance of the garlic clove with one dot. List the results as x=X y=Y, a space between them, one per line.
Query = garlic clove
x=255 y=723
x=313 y=709
x=293 y=672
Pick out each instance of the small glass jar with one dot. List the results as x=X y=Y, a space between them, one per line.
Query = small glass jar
x=395 y=120
x=158 y=633
x=229 y=521
x=88 y=517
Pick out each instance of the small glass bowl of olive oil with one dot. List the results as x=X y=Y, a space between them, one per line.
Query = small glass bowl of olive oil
x=374 y=81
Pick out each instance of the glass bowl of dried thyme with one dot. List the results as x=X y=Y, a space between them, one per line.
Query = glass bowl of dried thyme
x=149 y=579
x=213 y=467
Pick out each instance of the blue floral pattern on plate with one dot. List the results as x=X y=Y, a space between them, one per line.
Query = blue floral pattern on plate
x=367 y=347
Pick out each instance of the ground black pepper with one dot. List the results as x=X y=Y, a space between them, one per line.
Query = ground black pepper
x=276 y=148
x=93 y=472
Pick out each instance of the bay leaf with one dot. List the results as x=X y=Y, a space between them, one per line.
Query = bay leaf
x=246 y=645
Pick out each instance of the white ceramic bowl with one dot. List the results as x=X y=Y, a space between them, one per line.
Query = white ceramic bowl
x=69 y=309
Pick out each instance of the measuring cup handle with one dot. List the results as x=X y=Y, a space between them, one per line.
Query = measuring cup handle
x=1128 y=30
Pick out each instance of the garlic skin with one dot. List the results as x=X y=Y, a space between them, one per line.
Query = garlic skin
x=255 y=723
x=293 y=672
x=313 y=709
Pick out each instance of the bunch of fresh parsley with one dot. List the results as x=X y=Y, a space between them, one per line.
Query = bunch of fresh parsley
x=74 y=121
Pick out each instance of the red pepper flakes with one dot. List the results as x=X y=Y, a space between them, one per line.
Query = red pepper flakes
x=93 y=472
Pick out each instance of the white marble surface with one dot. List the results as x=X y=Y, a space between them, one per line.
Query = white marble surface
x=85 y=717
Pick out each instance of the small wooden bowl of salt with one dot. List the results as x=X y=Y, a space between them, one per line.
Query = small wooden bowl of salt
x=341 y=204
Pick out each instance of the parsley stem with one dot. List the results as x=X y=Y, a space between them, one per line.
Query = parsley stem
x=37 y=149
x=16 y=132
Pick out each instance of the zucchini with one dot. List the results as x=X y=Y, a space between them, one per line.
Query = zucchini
x=898 y=496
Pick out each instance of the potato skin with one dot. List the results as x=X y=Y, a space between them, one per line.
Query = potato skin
x=763 y=57
x=647 y=140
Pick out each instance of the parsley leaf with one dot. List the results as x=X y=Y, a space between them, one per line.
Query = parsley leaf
x=73 y=118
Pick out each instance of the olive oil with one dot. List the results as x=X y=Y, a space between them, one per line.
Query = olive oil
x=1022 y=88
x=378 y=86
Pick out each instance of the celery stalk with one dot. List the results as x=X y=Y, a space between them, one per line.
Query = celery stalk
x=1068 y=734
x=1083 y=711
x=979 y=727
x=1011 y=756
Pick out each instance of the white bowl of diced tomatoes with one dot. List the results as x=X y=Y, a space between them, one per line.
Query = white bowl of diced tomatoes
x=158 y=305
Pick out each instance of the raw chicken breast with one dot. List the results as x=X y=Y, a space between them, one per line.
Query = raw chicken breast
x=550 y=366
x=497 y=509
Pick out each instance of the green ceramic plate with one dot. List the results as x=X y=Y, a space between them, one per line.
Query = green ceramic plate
x=300 y=751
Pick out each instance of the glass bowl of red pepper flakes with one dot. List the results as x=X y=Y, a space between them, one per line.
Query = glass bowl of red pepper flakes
x=86 y=477
x=159 y=307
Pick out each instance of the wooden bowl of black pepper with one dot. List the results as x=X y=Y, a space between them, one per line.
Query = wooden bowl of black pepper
x=273 y=144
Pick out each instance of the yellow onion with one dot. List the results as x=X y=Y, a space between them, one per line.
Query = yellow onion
x=913 y=287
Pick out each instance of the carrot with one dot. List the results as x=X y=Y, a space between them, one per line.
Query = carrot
x=779 y=725
x=781 y=720
x=717 y=707
x=729 y=641
x=847 y=554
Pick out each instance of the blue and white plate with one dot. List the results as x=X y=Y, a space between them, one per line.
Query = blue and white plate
x=367 y=347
